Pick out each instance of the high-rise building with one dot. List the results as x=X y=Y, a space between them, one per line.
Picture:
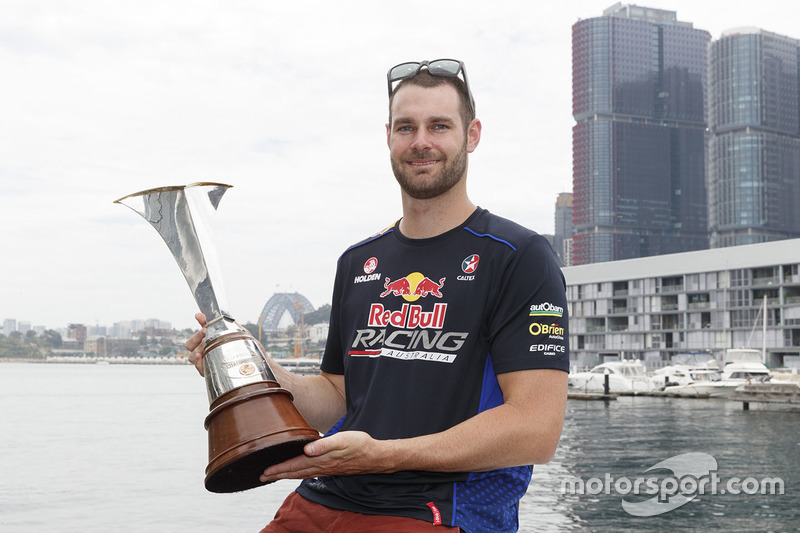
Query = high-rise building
x=77 y=332
x=9 y=325
x=563 y=227
x=754 y=145
x=638 y=99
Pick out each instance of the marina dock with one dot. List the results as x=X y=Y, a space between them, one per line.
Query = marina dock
x=782 y=393
x=591 y=396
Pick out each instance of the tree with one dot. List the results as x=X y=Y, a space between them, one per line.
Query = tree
x=252 y=328
x=323 y=314
x=51 y=338
x=13 y=346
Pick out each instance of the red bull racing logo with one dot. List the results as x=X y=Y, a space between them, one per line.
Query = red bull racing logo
x=413 y=287
x=411 y=332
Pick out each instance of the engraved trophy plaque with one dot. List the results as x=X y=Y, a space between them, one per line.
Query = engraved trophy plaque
x=252 y=422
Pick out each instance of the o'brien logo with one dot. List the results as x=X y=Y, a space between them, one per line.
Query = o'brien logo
x=413 y=287
x=537 y=329
x=546 y=309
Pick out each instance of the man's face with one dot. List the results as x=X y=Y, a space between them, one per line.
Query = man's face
x=428 y=145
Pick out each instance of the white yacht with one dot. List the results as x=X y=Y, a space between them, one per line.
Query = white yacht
x=686 y=374
x=741 y=366
x=624 y=377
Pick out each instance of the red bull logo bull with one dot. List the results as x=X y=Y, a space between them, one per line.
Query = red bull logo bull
x=413 y=287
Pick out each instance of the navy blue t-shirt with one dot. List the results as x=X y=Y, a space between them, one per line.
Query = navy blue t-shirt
x=419 y=329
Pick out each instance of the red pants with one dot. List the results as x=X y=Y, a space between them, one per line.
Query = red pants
x=298 y=515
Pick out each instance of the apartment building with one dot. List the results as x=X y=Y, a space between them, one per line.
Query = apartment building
x=652 y=308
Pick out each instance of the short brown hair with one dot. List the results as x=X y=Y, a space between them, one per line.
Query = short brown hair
x=424 y=79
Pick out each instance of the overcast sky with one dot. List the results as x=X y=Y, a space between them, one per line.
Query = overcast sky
x=287 y=102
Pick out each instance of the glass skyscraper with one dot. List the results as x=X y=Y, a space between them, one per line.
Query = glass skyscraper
x=563 y=228
x=754 y=148
x=638 y=99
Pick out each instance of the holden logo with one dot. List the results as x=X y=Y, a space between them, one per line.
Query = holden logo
x=370 y=265
x=470 y=264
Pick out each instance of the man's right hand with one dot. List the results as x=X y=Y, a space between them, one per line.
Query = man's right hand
x=195 y=344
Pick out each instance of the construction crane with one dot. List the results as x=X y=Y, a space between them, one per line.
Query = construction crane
x=299 y=344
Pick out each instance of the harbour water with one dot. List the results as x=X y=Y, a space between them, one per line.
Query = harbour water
x=122 y=448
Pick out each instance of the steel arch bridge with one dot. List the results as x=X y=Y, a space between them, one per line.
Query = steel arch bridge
x=281 y=302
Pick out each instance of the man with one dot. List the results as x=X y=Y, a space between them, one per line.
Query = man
x=444 y=373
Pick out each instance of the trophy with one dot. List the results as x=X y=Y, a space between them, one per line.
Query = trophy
x=252 y=422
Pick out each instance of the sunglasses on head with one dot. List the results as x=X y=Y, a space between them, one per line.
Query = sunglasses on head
x=437 y=67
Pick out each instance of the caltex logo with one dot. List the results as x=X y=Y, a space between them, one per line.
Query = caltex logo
x=470 y=264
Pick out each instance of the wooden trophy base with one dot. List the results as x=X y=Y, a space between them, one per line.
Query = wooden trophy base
x=250 y=428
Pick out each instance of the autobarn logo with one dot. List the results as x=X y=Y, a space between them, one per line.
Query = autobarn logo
x=546 y=309
x=413 y=287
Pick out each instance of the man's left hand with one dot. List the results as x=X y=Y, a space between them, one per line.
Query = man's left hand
x=343 y=454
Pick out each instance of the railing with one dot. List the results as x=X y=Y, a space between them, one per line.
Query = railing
x=672 y=288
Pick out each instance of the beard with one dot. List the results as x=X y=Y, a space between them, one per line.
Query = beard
x=421 y=185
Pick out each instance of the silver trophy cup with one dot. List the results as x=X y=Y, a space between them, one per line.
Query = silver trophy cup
x=252 y=422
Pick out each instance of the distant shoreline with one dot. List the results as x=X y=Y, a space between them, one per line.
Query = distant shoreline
x=98 y=360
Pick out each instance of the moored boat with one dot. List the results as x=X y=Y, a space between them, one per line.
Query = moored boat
x=741 y=366
x=624 y=377
x=684 y=380
x=687 y=373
